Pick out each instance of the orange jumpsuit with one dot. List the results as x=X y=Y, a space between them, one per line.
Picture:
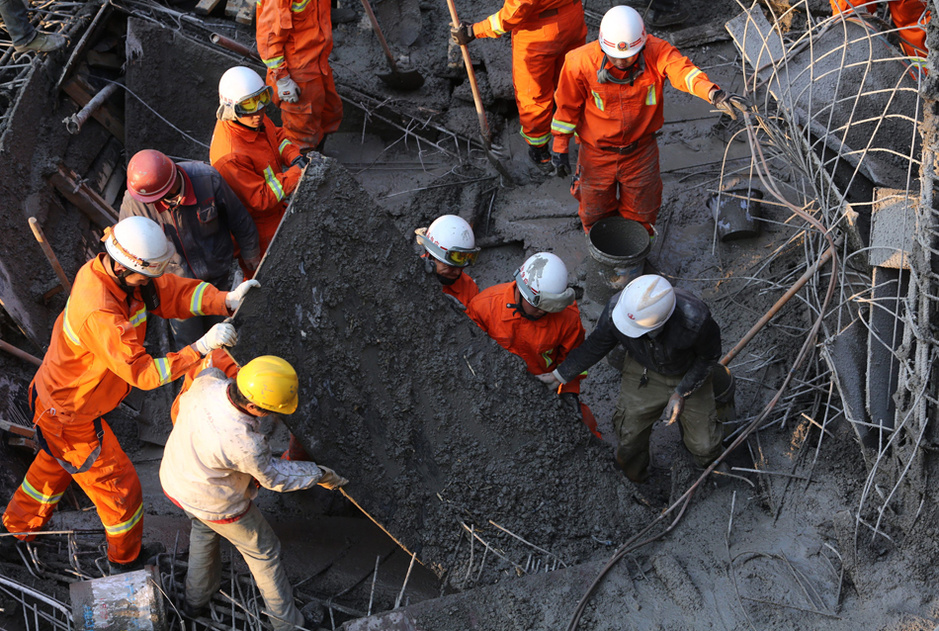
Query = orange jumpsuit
x=464 y=289
x=295 y=39
x=543 y=31
x=256 y=165
x=618 y=163
x=542 y=343
x=96 y=354
x=909 y=16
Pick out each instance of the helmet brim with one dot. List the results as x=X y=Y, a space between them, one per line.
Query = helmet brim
x=158 y=195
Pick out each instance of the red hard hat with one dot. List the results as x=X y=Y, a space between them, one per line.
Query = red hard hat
x=150 y=176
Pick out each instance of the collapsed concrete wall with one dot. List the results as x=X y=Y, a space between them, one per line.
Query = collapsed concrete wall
x=435 y=425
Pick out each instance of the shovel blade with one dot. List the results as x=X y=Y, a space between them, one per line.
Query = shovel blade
x=408 y=80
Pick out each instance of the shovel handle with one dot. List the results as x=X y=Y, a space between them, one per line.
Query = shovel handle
x=381 y=36
x=471 y=75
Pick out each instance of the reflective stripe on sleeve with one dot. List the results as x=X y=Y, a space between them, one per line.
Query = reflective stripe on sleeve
x=274 y=62
x=139 y=318
x=163 y=367
x=283 y=145
x=689 y=80
x=67 y=326
x=496 y=24
x=561 y=127
x=195 y=305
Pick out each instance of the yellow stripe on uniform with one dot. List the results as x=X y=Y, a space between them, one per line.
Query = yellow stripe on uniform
x=496 y=24
x=537 y=141
x=597 y=100
x=125 y=526
x=650 y=96
x=297 y=7
x=546 y=356
x=283 y=145
x=40 y=497
x=561 y=127
x=274 y=62
x=274 y=183
x=163 y=367
x=139 y=318
x=67 y=326
x=689 y=80
x=195 y=304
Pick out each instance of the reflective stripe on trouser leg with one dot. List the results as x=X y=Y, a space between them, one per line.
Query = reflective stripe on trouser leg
x=204 y=576
x=36 y=498
x=640 y=184
x=260 y=548
x=597 y=184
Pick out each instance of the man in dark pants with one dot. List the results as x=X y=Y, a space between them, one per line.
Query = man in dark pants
x=672 y=343
x=201 y=215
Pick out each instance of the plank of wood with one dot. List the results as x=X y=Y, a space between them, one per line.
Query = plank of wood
x=206 y=6
x=246 y=14
x=698 y=35
x=80 y=92
x=86 y=199
x=235 y=6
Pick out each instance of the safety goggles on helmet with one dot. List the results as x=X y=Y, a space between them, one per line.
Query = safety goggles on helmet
x=457 y=257
x=254 y=103
x=534 y=299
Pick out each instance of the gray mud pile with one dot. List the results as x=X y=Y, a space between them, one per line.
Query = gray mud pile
x=440 y=431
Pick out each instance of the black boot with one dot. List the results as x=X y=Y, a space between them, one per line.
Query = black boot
x=540 y=155
x=146 y=557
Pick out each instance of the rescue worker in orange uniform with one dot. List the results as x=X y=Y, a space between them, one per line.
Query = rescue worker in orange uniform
x=536 y=318
x=95 y=356
x=449 y=247
x=909 y=16
x=543 y=31
x=611 y=94
x=294 y=41
x=253 y=155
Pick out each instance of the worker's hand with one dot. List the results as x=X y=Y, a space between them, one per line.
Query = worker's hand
x=676 y=403
x=222 y=334
x=730 y=103
x=462 y=34
x=288 y=90
x=572 y=402
x=548 y=379
x=300 y=161
x=252 y=263
x=561 y=163
x=234 y=298
x=331 y=480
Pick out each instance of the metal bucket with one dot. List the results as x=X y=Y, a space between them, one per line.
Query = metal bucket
x=737 y=212
x=618 y=249
x=724 y=384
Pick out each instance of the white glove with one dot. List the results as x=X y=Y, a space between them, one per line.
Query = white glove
x=288 y=90
x=235 y=297
x=222 y=334
x=331 y=480
x=548 y=379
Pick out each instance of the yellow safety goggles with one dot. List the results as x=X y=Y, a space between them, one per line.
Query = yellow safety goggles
x=254 y=104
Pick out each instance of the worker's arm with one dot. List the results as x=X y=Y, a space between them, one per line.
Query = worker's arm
x=260 y=191
x=288 y=151
x=182 y=298
x=707 y=349
x=113 y=342
x=506 y=19
x=682 y=74
x=239 y=220
x=600 y=342
x=570 y=97
x=573 y=337
x=273 y=473
x=464 y=289
x=274 y=25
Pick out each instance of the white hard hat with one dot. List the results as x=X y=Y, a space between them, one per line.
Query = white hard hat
x=645 y=305
x=542 y=281
x=139 y=244
x=450 y=240
x=622 y=33
x=241 y=92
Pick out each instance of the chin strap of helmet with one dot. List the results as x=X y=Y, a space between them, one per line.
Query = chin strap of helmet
x=632 y=73
x=516 y=307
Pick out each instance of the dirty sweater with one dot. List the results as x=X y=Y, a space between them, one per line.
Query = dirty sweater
x=215 y=452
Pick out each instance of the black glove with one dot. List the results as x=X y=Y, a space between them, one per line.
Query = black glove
x=300 y=161
x=561 y=163
x=572 y=402
x=730 y=103
x=462 y=34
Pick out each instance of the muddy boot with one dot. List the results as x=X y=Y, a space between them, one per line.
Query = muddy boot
x=146 y=557
x=540 y=156
x=42 y=43
x=313 y=615
x=9 y=546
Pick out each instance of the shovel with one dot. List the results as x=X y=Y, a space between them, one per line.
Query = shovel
x=478 y=101
x=408 y=80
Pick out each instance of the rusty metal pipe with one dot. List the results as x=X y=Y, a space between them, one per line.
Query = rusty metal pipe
x=12 y=350
x=50 y=255
x=234 y=46
x=74 y=122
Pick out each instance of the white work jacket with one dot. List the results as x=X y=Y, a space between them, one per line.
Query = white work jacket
x=215 y=452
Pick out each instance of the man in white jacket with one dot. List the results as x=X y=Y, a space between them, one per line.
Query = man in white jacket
x=212 y=459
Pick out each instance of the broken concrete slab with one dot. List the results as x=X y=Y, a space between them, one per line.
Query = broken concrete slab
x=447 y=440
x=889 y=289
x=846 y=356
x=893 y=228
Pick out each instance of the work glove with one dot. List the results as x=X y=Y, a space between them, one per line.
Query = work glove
x=288 y=90
x=730 y=103
x=676 y=403
x=300 y=161
x=561 y=163
x=234 y=298
x=462 y=34
x=331 y=480
x=222 y=334
x=548 y=379
x=571 y=401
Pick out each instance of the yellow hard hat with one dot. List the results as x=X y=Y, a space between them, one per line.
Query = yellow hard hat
x=270 y=383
